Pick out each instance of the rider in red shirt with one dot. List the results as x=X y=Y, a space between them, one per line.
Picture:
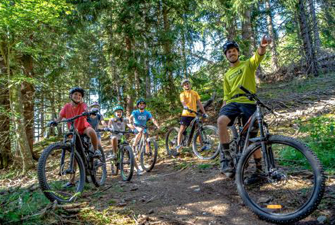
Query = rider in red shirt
x=76 y=107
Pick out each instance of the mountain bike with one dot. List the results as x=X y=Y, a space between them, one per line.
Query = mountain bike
x=291 y=181
x=73 y=159
x=205 y=142
x=124 y=160
x=147 y=149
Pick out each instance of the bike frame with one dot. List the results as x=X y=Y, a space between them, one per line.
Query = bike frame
x=256 y=119
x=196 y=122
x=75 y=144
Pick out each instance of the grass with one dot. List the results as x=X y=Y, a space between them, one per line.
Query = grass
x=319 y=134
x=297 y=85
x=21 y=203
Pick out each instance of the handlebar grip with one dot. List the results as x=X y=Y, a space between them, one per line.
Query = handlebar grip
x=245 y=90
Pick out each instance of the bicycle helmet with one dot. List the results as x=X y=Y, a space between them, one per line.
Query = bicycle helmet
x=118 y=107
x=77 y=89
x=139 y=101
x=184 y=81
x=95 y=104
x=230 y=44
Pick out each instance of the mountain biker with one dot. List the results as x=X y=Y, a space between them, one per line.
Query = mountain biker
x=189 y=99
x=117 y=123
x=138 y=122
x=235 y=101
x=95 y=119
x=75 y=107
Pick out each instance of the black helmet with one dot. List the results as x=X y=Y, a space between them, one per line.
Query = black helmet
x=139 y=101
x=77 y=89
x=230 y=44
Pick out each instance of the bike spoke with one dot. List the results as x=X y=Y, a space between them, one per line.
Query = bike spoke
x=285 y=189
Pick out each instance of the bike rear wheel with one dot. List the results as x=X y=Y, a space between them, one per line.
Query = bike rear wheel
x=99 y=174
x=149 y=155
x=127 y=163
x=291 y=190
x=52 y=175
x=205 y=144
x=171 y=140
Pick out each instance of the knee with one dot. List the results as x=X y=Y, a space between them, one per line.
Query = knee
x=223 y=121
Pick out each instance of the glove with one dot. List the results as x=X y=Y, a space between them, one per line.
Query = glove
x=205 y=115
x=106 y=128
x=185 y=107
x=52 y=124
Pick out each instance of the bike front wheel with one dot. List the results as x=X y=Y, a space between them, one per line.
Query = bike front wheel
x=290 y=190
x=99 y=173
x=54 y=175
x=149 y=155
x=205 y=144
x=127 y=163
x=171 y=140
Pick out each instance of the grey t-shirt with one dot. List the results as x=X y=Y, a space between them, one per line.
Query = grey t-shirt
x=119 y=124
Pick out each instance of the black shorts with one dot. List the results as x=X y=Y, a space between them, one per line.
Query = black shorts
x=233 y=109
x=186 y=120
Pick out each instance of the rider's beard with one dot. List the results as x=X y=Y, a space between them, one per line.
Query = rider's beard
x=232 y=62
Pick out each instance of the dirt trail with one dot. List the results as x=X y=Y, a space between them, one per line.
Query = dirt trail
x=192 y=195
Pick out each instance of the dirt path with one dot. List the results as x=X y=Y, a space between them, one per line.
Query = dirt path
x=178 y=191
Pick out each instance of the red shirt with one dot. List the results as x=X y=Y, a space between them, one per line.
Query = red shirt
x=69 y=111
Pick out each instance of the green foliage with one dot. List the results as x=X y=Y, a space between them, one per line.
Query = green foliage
x=321 y=138
x=20 y=203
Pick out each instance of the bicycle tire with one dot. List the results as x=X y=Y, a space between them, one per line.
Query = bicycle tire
x=46 y=184
x=288 y=180
x=99 y=177
x=213 y=146
x=170 y=144
x=150 y=165
x=127 y=158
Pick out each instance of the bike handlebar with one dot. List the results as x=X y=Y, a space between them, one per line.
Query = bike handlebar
x=115 y=131
x=54 y=123
x=254 y=97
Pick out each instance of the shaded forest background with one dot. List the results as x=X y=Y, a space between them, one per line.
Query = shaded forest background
x=120 y=50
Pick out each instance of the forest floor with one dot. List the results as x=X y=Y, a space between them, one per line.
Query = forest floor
x=181 y=190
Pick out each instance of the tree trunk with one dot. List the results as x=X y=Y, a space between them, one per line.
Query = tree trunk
x=16 y=103
x=169 y=86
x=247 y=33
x=5 y=144
x=273 y=47
x=307 y=40
x=28 y=92
x=316 y=34
x=42 y=116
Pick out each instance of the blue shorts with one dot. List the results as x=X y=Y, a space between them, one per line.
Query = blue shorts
x=233 y=109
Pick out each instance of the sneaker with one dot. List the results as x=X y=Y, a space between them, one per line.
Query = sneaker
x=253 y=179
x=97 y=154
x=175 y=152
x=205 y=148
x=227 y=166
x=140 y=172
x=110 y=156
x=69 y=185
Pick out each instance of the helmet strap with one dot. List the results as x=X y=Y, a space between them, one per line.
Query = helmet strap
x=76 y=103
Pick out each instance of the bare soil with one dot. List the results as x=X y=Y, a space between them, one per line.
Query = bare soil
x=187 y=191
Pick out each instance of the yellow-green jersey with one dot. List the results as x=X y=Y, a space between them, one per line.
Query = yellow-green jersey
x=242 y=74
x=190 y=98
